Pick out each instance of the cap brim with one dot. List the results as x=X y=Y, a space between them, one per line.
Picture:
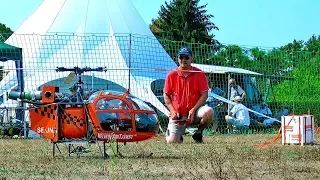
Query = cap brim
x=184 y=53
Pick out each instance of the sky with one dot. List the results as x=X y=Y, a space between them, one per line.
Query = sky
x=263 y=23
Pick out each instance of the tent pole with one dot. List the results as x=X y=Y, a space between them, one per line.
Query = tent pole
x=20 y=111
x=129 y=61
x=228 y=94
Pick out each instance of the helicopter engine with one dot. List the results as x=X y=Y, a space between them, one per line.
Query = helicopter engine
x=51 y=114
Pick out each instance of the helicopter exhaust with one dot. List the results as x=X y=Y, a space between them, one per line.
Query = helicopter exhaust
x=49 y=94
x=35 y=95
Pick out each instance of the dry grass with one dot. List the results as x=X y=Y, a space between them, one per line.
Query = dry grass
x=221 y=157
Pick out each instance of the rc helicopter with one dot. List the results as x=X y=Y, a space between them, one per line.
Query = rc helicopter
x=103 y=115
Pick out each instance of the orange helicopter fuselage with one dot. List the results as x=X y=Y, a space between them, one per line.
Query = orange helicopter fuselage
x=110 y=117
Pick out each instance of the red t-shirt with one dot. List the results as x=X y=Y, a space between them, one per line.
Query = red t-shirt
x=185 y=91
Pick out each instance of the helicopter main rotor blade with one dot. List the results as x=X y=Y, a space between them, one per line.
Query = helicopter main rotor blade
x=69 y=78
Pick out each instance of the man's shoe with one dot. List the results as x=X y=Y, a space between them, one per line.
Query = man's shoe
x=197 y=137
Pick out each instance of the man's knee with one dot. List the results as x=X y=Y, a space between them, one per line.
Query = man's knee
x=206 y=112
x=171 y=141
x=173 y=138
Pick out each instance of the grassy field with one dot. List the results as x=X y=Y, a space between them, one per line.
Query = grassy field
x=221 y=157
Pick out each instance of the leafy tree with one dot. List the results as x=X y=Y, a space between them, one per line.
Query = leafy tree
x=184 y=20
x=305 y=69
x=305 y=90
x=274 y=62
x=294 y=46
x=233 y=56
x=313 y=45
x=154 y=27
x=5 y=32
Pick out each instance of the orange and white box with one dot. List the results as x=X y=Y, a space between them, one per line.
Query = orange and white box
x=297 y=129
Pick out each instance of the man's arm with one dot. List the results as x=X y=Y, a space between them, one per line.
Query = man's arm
x=167 y=92
x=173 y=113
x=242 y=92
x=203 y=87
x=243 y=96
x=234 y=110
x=167 y=100
x=203 y=98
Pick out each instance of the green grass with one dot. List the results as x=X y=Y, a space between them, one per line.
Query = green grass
x=221 y=157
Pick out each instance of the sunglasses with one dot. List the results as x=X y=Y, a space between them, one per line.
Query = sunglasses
x=184 y=57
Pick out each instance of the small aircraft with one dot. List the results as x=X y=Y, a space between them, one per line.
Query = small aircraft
x=104 y=115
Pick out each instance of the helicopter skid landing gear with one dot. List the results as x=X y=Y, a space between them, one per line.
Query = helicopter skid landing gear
x=117 y=153
x=54 y=146
x=105 y=155
x=73 y=147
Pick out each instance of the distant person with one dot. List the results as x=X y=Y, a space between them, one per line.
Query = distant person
x=283 y=112
x=236 y=90
x=265 y=110
x=238 y=117
x=185 y=94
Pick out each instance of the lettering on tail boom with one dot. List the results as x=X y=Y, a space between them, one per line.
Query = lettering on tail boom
x=41 y=130
x=114 y=136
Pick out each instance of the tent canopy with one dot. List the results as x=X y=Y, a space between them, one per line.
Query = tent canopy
x=103 y=33
x=9 y=52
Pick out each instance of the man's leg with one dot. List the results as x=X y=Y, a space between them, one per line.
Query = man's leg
x=215 y=121
x=204 y=116
x=174 y=133
x=174 y=138
x=214 y=125
x=229 y=120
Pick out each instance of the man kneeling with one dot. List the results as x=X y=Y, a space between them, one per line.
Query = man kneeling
x=185 y=91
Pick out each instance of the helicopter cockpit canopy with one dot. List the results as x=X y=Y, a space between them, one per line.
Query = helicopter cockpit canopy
x=114 y=112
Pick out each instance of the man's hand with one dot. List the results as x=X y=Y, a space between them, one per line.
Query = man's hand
x=173 y=115
x=191 y=115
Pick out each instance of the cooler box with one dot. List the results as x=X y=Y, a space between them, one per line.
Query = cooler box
x=297 y=129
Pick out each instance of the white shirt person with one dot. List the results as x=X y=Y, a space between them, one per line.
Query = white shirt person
x=238 y=116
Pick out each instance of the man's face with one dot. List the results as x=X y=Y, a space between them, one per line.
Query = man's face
x=184 y=61
x=232 y=83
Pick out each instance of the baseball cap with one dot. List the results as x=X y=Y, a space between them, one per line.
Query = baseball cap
x=185 y=51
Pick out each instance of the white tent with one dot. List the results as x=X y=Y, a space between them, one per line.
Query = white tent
x=93 y=33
